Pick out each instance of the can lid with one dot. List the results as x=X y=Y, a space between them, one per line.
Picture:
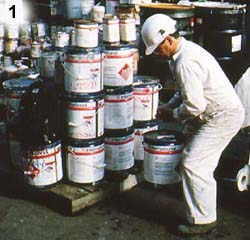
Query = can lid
x=17 y=83
x=85 y=143
x=163 y=137
x=76 y=97
x=78 y=50
x=118 y=47
x=118 y=90
x=146 y=124
x=85 y=22
x=142 y=80
x=118 y=132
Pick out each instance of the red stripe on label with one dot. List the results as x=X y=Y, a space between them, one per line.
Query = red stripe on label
x=119 y=56
x=118 y=100
x=120 y=142
x=71 y=60
x=162 y=152
x=81 y=108
x=45 y=156
x=86 y=153
x=145 y=93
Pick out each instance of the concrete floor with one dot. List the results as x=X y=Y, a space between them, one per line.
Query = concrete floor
x=142 y=213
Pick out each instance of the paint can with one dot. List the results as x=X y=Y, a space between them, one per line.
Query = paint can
x=13 y=92
x=111 y=30
x=47 y=65
x=83 y=70
x=61 y=39
x=2 y=30
x=85 y=161
x=1 y=45
x=119 y=148
x=139 y=129
x=11 y=31
x=127 y=29
x=84 y=116
x=162 y=152
x=98 y=13
x=38 y=30
x=87 y=6
x=42 y=165
x=10 y=46
x=129 y=9
x=119 y=107
x=110 y=6
x=146 y=97
x=86 y=34
x=36 y=49
x=72 y=9
x=118 y=65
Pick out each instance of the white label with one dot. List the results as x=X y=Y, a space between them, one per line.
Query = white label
x=118 y=68
x=85 y=120
x=119 y=153
x=236 y=43
x=119 y=111
x=128 y=30
x=145 y=103
x=85 y=164
x=160 y=163
x=43 y=167
x=83 y=74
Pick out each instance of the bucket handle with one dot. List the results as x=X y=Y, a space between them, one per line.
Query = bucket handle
x=71 y=74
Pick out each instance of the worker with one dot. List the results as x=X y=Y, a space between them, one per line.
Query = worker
x=210 y=111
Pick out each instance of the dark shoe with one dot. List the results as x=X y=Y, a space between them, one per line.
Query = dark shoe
x=196 y=229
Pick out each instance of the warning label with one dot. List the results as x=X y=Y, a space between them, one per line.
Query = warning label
x=125 y=72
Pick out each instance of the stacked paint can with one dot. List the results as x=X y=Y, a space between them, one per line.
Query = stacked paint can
x=119 y=103
x=11 y=39
x=84 y=106
x=146 y=99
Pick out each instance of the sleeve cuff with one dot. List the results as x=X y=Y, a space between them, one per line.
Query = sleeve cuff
x=176 y=113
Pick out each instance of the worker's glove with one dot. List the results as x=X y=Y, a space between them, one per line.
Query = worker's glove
x=164 y=113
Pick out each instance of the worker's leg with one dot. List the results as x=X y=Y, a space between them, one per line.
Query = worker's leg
x=200 y=158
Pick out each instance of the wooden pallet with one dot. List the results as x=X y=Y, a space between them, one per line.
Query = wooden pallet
x=65 y=197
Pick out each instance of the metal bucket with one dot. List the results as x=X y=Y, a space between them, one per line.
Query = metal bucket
x=84 y=116
x=219 y=27
x=118 y=65
x=146 y=97
x=13 y=92
x=42 y=165
x=47 y=65
x=139 y=129
x=119 y=148
x=119 y=107
x=83 y=70
x=85 y=160
x=162 y=152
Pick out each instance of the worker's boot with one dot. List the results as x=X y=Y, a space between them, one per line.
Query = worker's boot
x=196 y=229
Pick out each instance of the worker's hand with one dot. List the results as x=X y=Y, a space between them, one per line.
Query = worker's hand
x=164 y=113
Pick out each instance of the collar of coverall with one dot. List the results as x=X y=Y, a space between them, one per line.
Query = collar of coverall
x=178 y=51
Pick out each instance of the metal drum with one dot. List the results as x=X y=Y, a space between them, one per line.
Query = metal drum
x=85 y=161
x=219 y=27
x=146 y=97
x=42 y=166
x=119 y=107
x=83 y=70
x=162 y=152
x=84 y=116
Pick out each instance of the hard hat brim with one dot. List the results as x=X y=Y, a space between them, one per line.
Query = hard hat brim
x=149 y=50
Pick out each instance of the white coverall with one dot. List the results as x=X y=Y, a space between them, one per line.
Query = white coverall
x=208 y=96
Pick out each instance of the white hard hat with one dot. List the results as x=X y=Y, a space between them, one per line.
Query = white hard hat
x=155 y=29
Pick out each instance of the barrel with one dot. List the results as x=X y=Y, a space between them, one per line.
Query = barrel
x=220 y=28
x=162 y=152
